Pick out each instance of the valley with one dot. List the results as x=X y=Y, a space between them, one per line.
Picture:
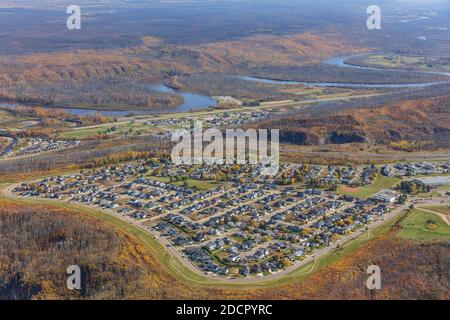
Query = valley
x=357 y=123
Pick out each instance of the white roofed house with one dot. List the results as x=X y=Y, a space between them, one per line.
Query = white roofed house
x=385 y=196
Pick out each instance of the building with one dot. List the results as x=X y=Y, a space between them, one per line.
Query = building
x=433 y=181
x=385 y=196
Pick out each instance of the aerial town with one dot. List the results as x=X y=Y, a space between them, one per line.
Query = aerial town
x=224 y=150
x=240 y=224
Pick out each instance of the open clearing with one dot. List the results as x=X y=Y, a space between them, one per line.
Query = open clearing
x=379 y=183
x=407 y=62
x=422 y=225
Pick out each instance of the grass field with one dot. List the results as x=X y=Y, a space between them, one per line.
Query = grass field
x=88 y=132
x=405 y=62
x=424 y=226
x=380 y=183
x=445 y=187
x=201 y=185
x=10 y=121
x=81 y=134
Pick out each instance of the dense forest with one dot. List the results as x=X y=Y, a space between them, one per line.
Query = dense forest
x=426 y=120
x=121 y=78
x=101 y=94
x=229 y=85
x=37 y=244
x=3 y=143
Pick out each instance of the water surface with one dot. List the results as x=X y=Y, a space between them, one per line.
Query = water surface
x=192 y=101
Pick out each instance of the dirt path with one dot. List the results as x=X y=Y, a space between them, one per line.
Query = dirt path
x=443 y=216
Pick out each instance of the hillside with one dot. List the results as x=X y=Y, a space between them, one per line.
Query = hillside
x=265 y=51
x=426 y=121
x=39 y=243
x=120 y=79
x=155 y=58
x=42 y=241
x=82 y=79
x=116 y=79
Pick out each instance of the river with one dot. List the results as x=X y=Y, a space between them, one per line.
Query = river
x=341 y=62
x=192 y=101
x=345 y=84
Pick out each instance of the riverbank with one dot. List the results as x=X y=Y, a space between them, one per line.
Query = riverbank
x=188 y=102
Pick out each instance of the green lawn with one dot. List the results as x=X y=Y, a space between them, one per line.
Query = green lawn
x=82 y=133
x=201 y=185
x=445 y=187
x=404 y=62
x=439 y=209
x=160 y=179
x=121 y=128
x=380 y=183
x=416 y=226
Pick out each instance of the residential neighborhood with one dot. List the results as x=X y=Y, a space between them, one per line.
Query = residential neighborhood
x=37 y=145
x=239 y=224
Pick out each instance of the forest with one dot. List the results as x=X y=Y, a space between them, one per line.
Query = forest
x=121 y=78
x=38 y=244
x=89 y=154
x=425 y=120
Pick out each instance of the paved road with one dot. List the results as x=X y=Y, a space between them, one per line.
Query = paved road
x=9 y=148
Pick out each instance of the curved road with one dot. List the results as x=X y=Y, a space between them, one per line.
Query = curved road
x=9 y=148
